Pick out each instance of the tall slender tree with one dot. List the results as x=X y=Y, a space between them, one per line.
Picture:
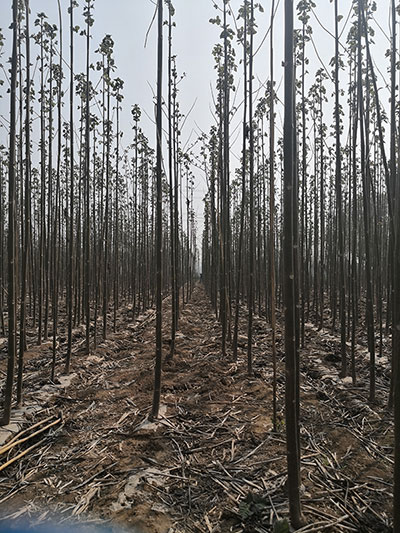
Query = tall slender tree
x=251 y=195
x=159 y=222
x=11 y=239
x=289 y=277
x=87 y=277
x=272 y=218
x=172 y=180
x=239 y=261
x=70 y=280
x=339 y=204
x=26 y=208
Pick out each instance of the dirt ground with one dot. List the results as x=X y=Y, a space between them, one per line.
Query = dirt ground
x=212 y=462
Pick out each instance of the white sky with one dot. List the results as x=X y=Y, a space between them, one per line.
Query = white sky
x=128 y=20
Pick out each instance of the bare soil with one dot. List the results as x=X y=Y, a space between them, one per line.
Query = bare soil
x=212 y=462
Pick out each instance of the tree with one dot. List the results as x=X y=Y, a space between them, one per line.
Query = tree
x=11 y=239
x=339 y=204
x=251 y=197
x=289 y=278
x=394 y=196
x=89 y=24
x=173 y=199
x=272 y=216
x=70 y=282
x=27 y=210
x=158 y=251
x=239 y=261
x=365 y=175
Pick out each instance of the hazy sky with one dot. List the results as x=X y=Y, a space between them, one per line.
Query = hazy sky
x=128 y=21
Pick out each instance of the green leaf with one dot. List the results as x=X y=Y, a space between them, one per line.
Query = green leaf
x=281 y=526
x=244 y=510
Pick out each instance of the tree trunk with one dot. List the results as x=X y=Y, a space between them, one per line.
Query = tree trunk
x=289 y=273
x=11 y=241
x=158 y=359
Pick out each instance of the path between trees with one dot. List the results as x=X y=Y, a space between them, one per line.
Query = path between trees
x=212 y=462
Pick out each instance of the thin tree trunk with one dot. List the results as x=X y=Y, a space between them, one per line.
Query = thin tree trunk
x=27 y=209
x=243 y=201
x=11 y=248
x=339 y=207
x=272 y=217
x=70 y=281
x=87 y=186
x=251 y=200
x=289 y=282
x=158 y=359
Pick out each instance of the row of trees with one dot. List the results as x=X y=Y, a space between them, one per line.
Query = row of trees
x=81 y=219
x=91 y=224
x=327 y=250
